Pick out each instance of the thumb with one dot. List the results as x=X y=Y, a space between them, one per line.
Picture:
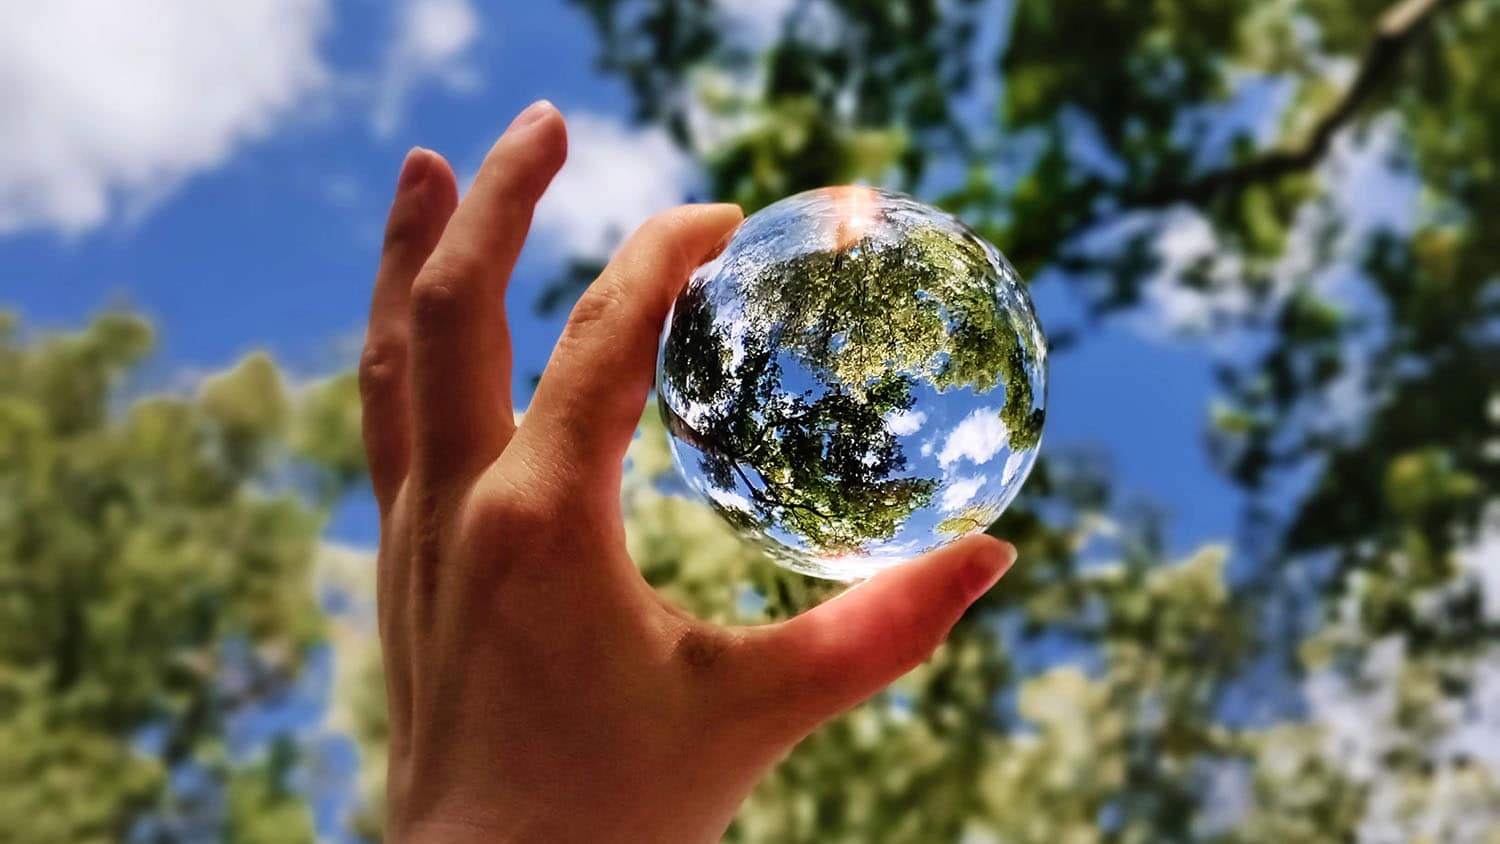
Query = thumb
x=854 y=645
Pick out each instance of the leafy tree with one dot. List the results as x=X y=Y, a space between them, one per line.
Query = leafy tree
x=155 y=565
x=156 y=586
x=1107 y=127
x=922 y=306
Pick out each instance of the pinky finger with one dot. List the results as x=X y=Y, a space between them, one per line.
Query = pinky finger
x=426 y=194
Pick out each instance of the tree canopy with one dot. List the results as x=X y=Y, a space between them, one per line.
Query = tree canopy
x=157 y=587
x=156 y=554
x=1076 y=135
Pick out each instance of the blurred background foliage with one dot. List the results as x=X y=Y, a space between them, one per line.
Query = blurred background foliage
x=164 y=581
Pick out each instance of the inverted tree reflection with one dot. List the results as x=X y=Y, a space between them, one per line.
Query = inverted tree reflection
x=782 y=366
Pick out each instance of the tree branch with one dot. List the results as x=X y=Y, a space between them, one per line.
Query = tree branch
x=687 y=433
x=1398 y=28
x=765 y=496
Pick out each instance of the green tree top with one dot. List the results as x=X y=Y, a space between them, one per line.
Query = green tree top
x=152 y=583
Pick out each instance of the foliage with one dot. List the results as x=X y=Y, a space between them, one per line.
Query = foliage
x=155 y=559
x=1076 y=143
x=156 y=586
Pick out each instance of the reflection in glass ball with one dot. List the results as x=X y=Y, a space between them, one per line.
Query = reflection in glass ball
x=855 y=379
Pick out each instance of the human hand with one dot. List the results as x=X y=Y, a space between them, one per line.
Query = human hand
x=538 y=688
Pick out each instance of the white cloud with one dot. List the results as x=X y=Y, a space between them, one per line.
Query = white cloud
x=728 y=498
x=109 y=106
x=614 y=179
x=1368 y=196
x=432 y=43
x=904 y=423
x=1186 y=243
x=979 y=437
x=960 y=492
x=1014 y=464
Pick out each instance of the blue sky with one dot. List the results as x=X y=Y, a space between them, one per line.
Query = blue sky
x=225 y=168
x=251 y=220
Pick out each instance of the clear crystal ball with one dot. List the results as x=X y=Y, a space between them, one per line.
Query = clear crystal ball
x=856 y=378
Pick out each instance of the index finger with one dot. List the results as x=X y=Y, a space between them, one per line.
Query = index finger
x=461 y=357
x=591 y=395
x=425 y=197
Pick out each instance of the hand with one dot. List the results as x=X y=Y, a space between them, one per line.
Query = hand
x=539 y=689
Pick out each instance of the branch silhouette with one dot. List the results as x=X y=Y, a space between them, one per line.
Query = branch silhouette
x=1399 y=27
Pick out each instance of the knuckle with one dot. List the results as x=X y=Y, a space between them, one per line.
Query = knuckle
x=668 y=220
x=435 y=297
x=661 y=231
x=665 y=233
x=382 y=364
x=505 y=514
x=595 y=310
x=513 y=528
x=519 y=185
x=519 y=176
x=659 y=225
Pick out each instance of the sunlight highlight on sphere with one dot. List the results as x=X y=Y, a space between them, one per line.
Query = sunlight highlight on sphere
x=855 y=379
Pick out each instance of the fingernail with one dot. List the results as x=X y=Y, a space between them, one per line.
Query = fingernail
x=531 y=114
x=412 y=170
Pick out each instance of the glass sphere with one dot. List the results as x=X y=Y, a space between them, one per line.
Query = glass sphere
x=856 y=378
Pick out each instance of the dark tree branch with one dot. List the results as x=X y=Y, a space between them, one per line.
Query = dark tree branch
x=768 y=494
x=1397 y=30
x=766 y=497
